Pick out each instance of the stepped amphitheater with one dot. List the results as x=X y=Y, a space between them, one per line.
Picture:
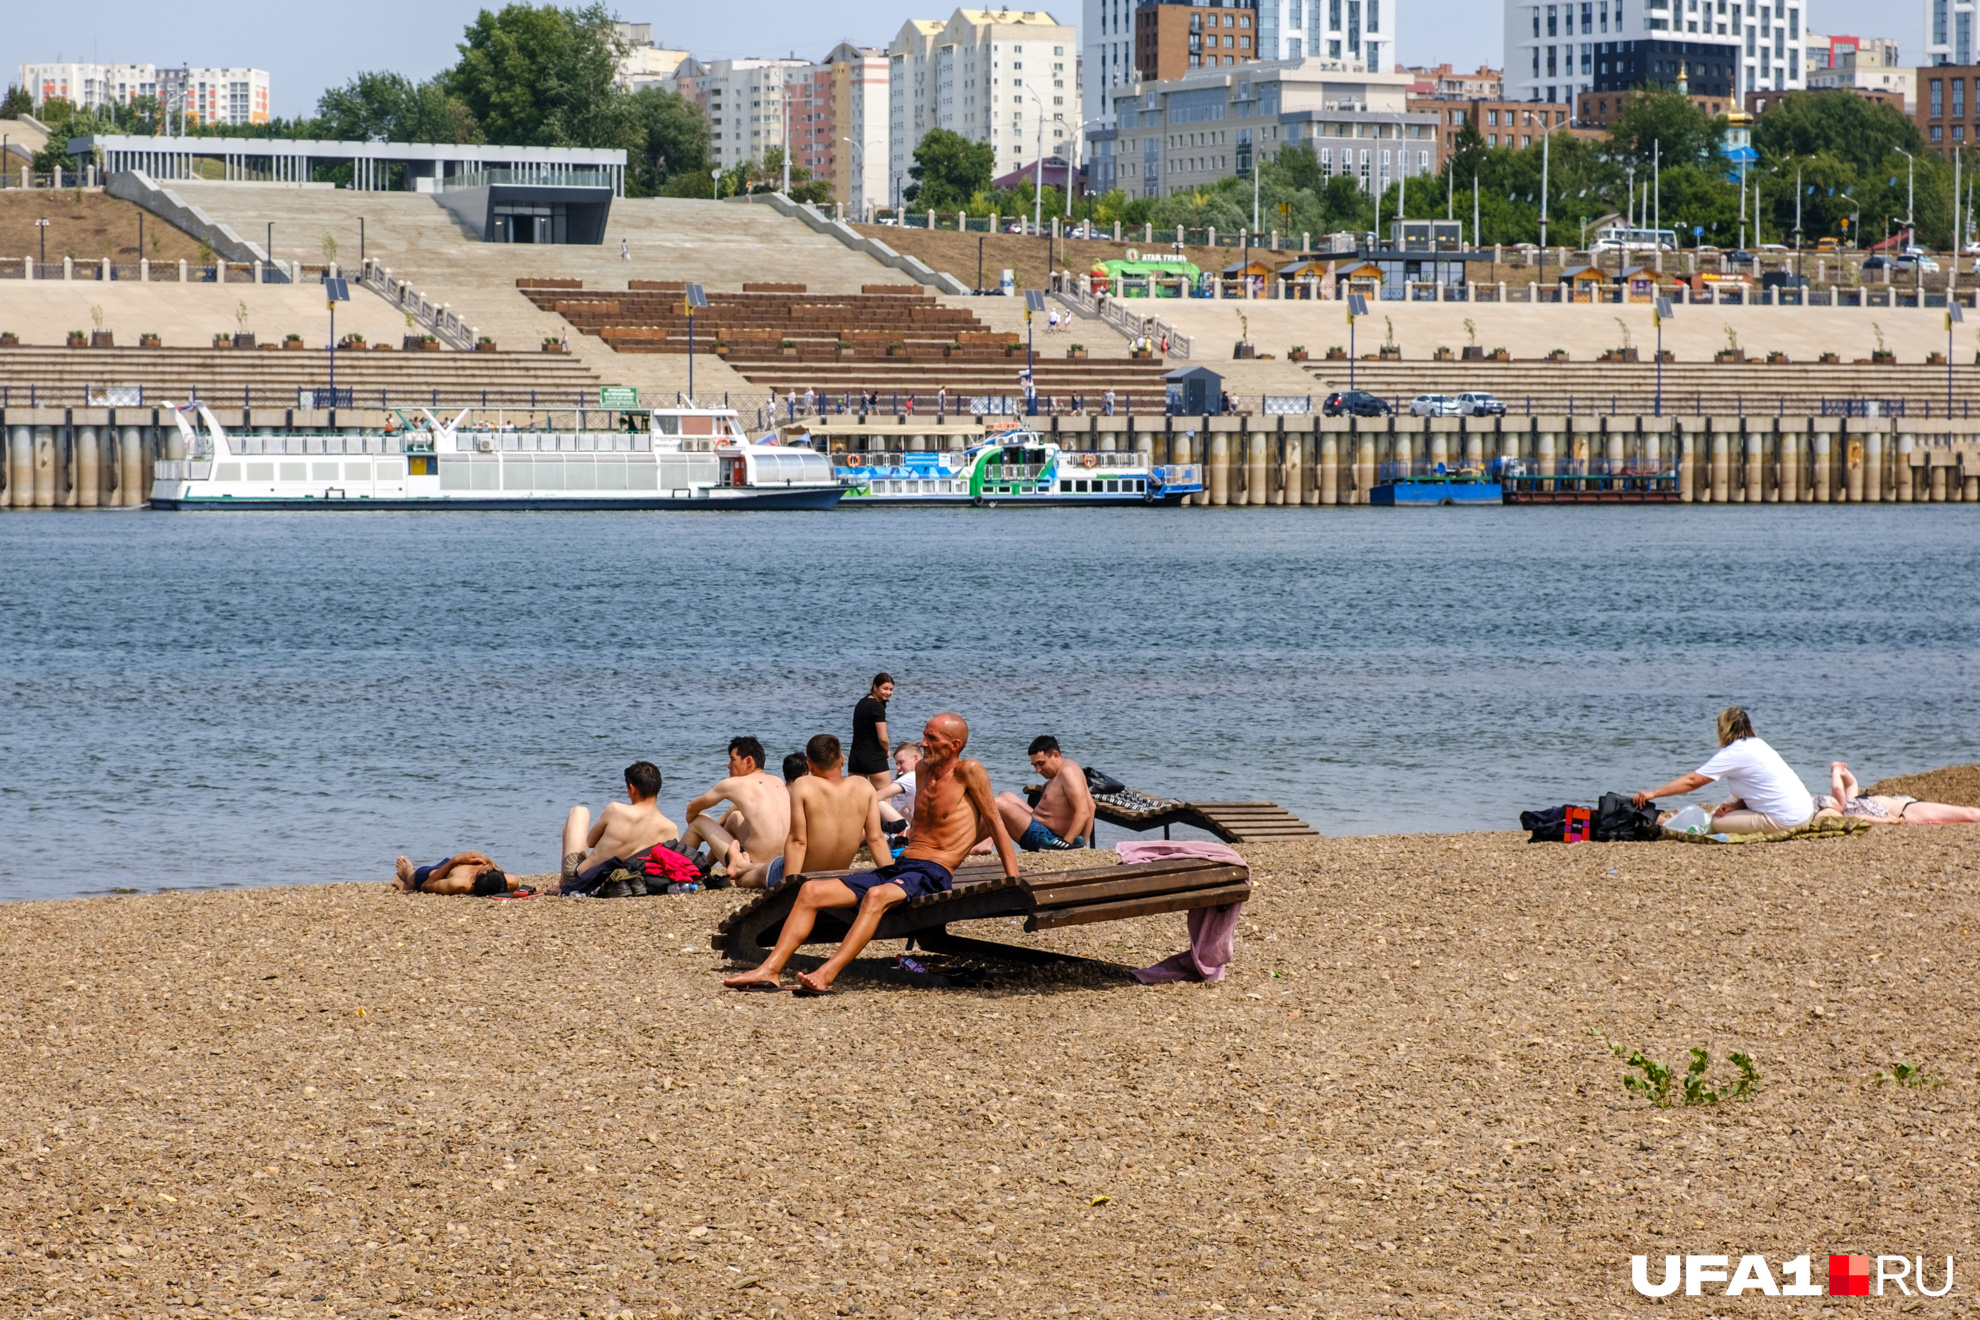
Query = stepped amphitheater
x=795 y=314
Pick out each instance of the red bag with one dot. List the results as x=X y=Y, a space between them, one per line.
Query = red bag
x=1576 y=827
x=661 y=863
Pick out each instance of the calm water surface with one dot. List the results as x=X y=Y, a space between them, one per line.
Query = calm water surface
x=237 y=699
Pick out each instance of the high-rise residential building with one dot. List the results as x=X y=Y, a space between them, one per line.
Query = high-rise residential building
x=1947 y=109
x=1949 y=31
x=1002 y=76
x=1172 y=40
x=838 y=110
x=744 y=103
x=1556 y=51
x=1347 y=30
x=202 y=95
x=1180 y=134
x=644 y=64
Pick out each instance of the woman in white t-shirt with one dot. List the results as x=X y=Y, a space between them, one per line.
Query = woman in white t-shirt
x=1764 y=795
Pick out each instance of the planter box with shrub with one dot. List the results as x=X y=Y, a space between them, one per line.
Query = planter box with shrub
x=102 y=339
x=1557 y=355
x=292 y=343
x=244 y=340
x=1883 y=357
x=8 y=339
x=1730 y=355
x=1931 y=359
x=1620 y=355
x=144 y=341
x=557 y=346
x=77 y=339
x=1835 y=359
x=1442 y=355
x=1473 y=353
x=1501 y=355
x=1775 y=356
x=1337 y=354
x=1076 y=351
x=484 y=345
x=1297 y=353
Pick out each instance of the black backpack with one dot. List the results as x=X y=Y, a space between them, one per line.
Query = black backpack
x=1615 y=820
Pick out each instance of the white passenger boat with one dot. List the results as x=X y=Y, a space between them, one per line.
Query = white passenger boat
x=1017 y=468
x=666 y=458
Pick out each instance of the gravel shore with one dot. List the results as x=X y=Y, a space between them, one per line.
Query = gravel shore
x=345 y=1101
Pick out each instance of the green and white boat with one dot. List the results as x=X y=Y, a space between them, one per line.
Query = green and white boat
x=1014 y=468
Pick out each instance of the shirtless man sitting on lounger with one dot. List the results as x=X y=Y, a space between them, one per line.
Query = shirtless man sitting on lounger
x=754 y=830
x=953 y=808
x=463 y=873
x=1063 y=817
x=623 y=830
x=1846 y=799
x=831 y=814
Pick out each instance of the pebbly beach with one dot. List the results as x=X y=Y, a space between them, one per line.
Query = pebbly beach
x=1406 y=1098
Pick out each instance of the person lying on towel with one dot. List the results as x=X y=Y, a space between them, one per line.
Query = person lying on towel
x=953 y=809
x=1846 y=798
x=463 y=873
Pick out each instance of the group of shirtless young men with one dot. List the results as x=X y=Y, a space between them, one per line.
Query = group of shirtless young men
x=776 y=831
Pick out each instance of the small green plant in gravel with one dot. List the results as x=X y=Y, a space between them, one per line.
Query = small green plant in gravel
x=1657 y=1081
x=1909 y=1074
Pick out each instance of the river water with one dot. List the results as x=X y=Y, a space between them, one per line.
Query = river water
x=237 y=699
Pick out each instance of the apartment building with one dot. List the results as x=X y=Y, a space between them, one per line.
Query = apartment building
x=1183 y=133
x=838 y=112
x=204 y=95
x=1342 y=30
x=1006 y=77
x=1172 y=39
x=1500 y=123
x=644 y=64
x=744 y=102
x=1863 y=64
x=1557 y=51
x=1949 y=32
x=1948 y=107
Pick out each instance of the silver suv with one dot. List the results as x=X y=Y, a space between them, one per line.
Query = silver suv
x=1433 y=405
x=1479 y=403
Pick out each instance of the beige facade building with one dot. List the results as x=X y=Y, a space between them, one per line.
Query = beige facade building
x=1002 y=76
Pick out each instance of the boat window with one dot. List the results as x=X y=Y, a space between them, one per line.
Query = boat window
x=668 y=425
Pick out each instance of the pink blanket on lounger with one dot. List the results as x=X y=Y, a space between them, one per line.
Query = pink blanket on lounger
x=1210 y=929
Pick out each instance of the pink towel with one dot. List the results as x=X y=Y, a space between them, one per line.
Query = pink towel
x=1209 y=952
x=1210 y=929
x=1163 y=850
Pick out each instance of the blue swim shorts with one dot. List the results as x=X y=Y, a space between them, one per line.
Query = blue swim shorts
x=1038 y=837
x=916 y=876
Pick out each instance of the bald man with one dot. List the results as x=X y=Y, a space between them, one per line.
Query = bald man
x=953 y=809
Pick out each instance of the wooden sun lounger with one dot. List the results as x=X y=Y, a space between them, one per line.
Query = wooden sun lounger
x=1046 y=902
x=1233 y=822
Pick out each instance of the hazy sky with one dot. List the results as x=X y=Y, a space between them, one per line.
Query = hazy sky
x=307 y=48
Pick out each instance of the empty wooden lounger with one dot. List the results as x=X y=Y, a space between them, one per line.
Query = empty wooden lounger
x=1046 y=901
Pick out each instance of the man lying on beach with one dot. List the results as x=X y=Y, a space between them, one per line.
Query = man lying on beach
x=463 y=873
x=831 y=814
x=953 y=808
x=623 y=830
x=756 y=826
x=1063 y=817
x=1845 y=799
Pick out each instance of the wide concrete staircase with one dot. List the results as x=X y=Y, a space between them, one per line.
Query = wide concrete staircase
x=1700 y=388
x=896 y=342
x=266 y=378
x=717 y=245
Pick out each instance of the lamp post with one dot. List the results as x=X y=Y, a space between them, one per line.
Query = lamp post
x=859 y=167
x=42 y=225
x=1356 y=306
x=1038 y=167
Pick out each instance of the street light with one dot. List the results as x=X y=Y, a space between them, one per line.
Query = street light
x=691 y=298
x=1356 y=306
x=1038 y=167
x=859 y=168
x=335 y=290
x=42 y=225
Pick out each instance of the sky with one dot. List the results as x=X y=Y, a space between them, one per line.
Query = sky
x=304 y=54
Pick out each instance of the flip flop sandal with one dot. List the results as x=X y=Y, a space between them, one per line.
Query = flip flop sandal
x=806 y=992
x=524 y=892
x=757 y=987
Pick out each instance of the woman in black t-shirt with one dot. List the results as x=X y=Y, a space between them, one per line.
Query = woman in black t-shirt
x=869 y=743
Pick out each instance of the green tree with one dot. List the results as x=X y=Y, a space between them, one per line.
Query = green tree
x=673 y=136
x=388 y=107
x=948 y=171
x=543 y=77
x=1860 y=133
x=1662 y=125
x=18 y=103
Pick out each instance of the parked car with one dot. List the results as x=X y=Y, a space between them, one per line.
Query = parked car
x=1355 y=403
x=1908 y=260
x=1827 y=246
x=1083 y=229
x=1773 y=247
x=1737 y=257
x=1877 y=261
x=1433 y=405
x=1479 y=403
